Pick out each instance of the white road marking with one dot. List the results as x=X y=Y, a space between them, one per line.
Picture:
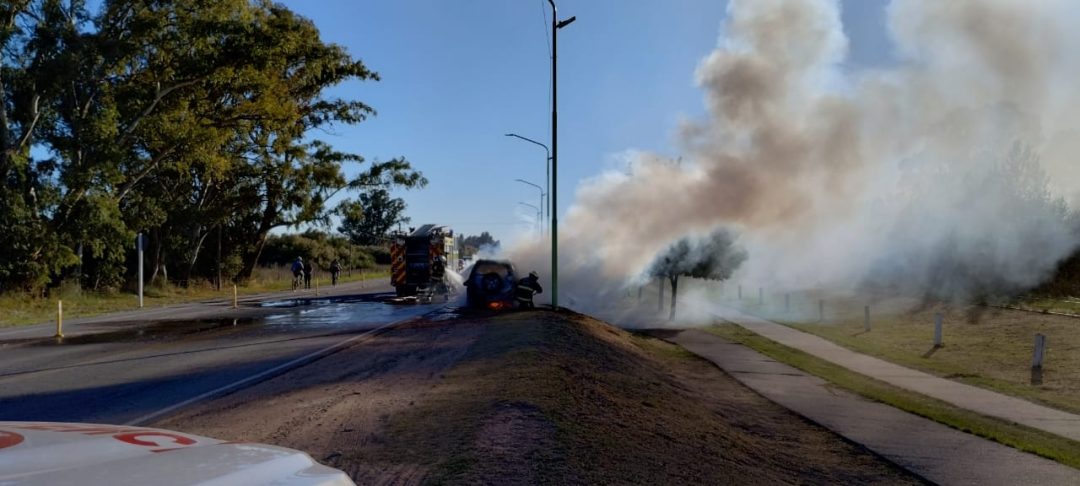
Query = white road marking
x=145 y=419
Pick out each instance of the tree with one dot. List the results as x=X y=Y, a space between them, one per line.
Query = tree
x=368 y=221
x=470 y=245
x=183 y=119
x=713 y=257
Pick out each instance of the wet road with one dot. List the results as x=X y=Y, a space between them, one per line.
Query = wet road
x=133 y=373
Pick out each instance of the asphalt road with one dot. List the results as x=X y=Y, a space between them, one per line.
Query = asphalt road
x=135 y=367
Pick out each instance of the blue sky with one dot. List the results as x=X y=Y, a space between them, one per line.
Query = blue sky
x=457 y=75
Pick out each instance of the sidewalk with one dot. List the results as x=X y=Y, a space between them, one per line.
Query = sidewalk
x=968 y=397
x=934 y=451
x=203 y=309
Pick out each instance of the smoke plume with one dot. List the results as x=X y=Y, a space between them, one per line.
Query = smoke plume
x=948 y=173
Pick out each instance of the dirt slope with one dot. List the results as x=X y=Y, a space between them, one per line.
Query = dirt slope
x=534 y=397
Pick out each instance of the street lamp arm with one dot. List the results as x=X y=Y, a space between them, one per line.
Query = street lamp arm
x=527 y=139
x=523 y=181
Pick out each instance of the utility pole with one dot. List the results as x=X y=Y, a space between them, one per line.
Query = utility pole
x=556 y=24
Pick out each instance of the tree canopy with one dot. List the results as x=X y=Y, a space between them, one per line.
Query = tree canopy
x=369 y=220
x=713 y=257
x=187 y=120
x=470 y=245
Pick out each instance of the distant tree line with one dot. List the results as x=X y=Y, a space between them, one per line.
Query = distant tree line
x=322 y=248
x=192 y=121
x=471 y=245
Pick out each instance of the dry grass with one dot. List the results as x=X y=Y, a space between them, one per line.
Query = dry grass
x=984 y=346
x=21 y=308
x=1017 y=436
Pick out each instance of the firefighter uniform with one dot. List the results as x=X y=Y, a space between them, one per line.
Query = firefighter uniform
x=526 y=288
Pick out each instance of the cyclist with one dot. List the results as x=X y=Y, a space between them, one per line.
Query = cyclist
x=297 y=270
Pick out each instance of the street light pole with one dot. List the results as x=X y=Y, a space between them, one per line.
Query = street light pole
x=556 y=24
x=547 y=167
x=538 y=213
x=542 y=194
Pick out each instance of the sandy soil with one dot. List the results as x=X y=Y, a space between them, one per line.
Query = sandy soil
x=527 y=398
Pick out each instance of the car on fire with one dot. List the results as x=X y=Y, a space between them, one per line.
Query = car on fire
x=491 y=285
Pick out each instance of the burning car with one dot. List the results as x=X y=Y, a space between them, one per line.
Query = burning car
x=95 y=454
x=491 y=285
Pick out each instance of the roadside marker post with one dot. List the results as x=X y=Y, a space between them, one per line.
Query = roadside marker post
x=938 y=342
x=1040 y=349
x=316 y=286
x=59 y=319
x=866 y=318
x=139 y=244
x=235 y=303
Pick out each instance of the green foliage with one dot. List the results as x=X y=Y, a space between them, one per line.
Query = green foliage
x=713 y=257
x=191 y=121
x=470 y=245
x=318 y=247
x=369 y=220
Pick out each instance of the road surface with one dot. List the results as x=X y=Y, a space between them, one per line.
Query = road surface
x=128 y=369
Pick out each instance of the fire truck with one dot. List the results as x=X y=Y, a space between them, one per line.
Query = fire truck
x=419 y=261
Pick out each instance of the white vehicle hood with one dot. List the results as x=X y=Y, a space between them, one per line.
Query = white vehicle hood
x=91 y=454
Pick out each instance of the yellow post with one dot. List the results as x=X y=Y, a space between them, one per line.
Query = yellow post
x=316 y=286
x=235 y=304
x=59 y=319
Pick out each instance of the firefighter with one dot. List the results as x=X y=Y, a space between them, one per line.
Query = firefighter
x=526 y=289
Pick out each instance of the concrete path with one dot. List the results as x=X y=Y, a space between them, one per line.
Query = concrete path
x=961 y=395
x=932 y=450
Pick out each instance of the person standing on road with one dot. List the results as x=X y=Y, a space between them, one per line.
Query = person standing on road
x=335 y=270
x=308 y=268
x=526 y=289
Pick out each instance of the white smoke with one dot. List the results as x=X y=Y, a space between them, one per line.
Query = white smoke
x=944 y=174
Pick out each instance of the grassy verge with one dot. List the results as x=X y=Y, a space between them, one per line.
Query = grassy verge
x=1017 y=436
x=1048 y=304
x=21 y=309
x=985 y=347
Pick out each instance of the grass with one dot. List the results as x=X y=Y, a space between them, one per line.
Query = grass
x=22 y=309
x=1049 y=304
x=984 y=346
x=1017 y=436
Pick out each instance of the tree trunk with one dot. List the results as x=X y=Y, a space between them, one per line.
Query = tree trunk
x=660 y=303
x=674 y=295
x=198 y=237
x=251 y=258
x=155 y=258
